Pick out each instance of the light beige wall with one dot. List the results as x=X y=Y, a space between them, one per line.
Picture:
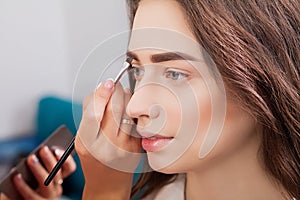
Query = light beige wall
x=42 y=44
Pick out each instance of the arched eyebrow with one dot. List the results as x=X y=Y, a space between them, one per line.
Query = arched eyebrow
x=163 y=57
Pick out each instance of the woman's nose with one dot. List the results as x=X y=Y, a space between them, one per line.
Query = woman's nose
x=142 y=106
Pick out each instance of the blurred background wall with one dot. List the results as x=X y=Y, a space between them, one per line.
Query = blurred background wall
x=42 y=45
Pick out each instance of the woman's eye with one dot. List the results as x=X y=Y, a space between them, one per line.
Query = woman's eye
x=138 y=73
x=175 y=75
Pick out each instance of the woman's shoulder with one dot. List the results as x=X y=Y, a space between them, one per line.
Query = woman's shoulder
x=174 y=190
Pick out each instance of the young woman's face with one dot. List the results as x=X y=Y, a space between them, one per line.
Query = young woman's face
x=184 y=116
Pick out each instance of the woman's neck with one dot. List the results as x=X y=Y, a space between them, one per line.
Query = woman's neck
x=241 y=176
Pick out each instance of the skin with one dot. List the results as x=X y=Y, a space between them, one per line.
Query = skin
x=97 y=109
x=49 y=159
x=230 y=170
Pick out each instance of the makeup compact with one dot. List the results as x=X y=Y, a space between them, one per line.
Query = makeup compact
x=58 y=138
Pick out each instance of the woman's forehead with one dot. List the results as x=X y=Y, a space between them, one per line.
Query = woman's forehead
x=166 y=14
x=149 y=41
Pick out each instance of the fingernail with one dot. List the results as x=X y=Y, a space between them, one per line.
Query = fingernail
x=46 y=148
x=19 y=176
x=108 y=84
x=60 y=181
x=34 y=159
x=58 y=152
x=127 y=91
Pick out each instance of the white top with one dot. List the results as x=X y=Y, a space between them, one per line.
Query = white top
x=174 y=190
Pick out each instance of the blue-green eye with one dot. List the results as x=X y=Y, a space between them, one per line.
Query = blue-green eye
x=175 y=75
x=138 y=73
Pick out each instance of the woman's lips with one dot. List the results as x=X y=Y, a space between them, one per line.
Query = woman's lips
x=155 y=143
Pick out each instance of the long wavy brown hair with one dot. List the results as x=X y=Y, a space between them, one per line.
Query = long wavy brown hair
x=256 y=47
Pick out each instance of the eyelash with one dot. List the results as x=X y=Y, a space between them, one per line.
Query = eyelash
x=168 y=73
x=182 y=75
x=136 y=70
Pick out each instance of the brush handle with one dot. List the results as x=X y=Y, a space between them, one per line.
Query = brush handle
x=60 y=162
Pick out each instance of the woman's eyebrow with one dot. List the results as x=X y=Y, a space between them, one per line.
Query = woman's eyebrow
x=132 y=55
x=163 y=57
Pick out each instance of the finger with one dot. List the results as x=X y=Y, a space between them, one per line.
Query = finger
x=25 y=191
x=102 y=96
x=69 y=165
x=134 y=137
x=116 y=111
x=3 y=197
x=36 y=168
x=40 y=174
x=94 y=106
x=49 y=160
x=125 y=128
x=113 y=113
